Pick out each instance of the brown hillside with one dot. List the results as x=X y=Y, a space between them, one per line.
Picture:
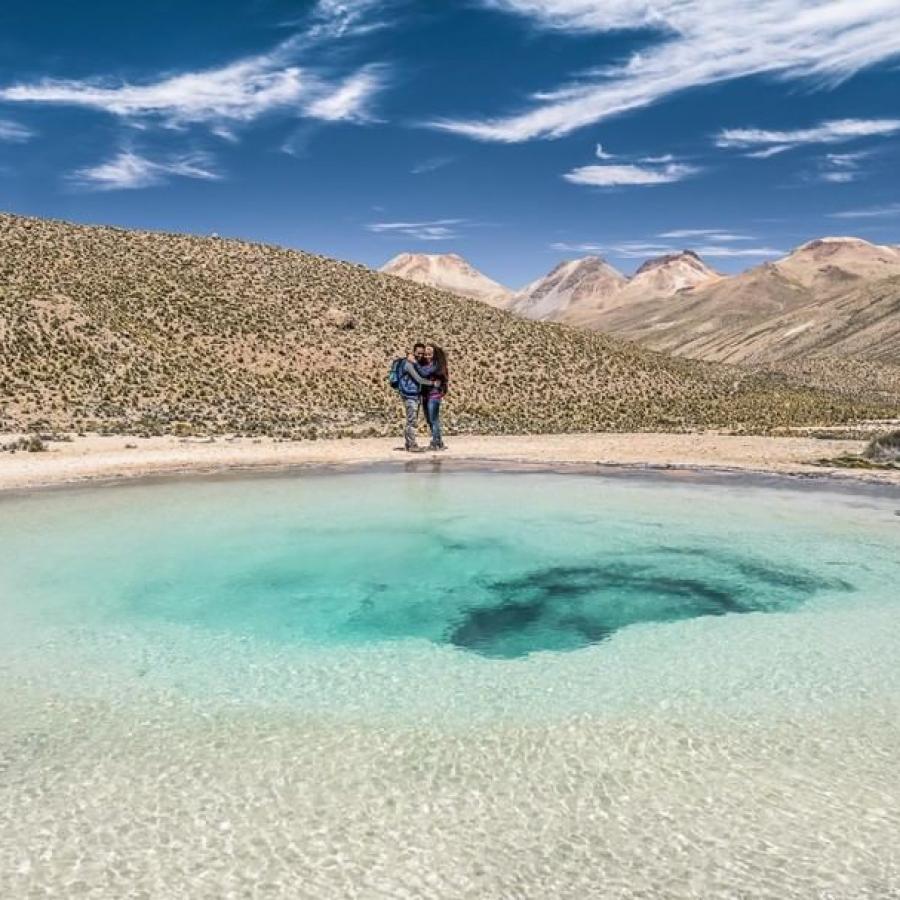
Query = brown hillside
x=105 y=329
x=834 y=297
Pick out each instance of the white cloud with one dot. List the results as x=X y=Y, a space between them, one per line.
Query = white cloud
x=600 y=153
x=431 y=165
x=718 y=252
x=840 y=177
x=578 y=248
x=769 y=151
x=837 y=131
x=699 y=42
x=710 y=234
x=873 y=212
x=335 y=19
x=238 y=92
x=846 y=160
x=611 y=176
x=14 y=133
x=645 y=250
x=349 y=101
x=840 y=168
x=129 y=170
x=438 y=230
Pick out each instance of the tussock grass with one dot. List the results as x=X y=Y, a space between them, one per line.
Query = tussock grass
x=885 y=448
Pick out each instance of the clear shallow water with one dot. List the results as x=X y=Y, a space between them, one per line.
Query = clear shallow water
x=498 y=565
x=440 y=676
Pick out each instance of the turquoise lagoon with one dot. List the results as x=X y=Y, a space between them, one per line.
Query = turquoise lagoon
x=450 y=683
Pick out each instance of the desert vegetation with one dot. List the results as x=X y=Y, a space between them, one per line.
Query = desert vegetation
x=885 y=448
x=881 y=452
x=853 y=376
x=108 y=330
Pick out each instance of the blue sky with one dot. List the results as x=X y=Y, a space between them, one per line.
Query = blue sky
x=514 y=132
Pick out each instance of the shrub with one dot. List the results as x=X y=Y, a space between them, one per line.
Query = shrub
x=884 y=448
x=33 y=443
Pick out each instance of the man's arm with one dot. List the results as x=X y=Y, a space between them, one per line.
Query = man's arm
x=413 y=373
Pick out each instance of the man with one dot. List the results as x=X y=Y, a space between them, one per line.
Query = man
x=411 y=384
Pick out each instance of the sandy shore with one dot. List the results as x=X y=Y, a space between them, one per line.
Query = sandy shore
x=104 y=457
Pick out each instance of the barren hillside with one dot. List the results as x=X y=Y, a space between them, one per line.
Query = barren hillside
x=106 y=329
x=836 y=297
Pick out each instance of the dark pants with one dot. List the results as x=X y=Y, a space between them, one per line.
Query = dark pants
x=433 y=414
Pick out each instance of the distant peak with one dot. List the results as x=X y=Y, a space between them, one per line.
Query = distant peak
x=425 y=257
x=659 y=262
x=588 y=263
x=823 y=241
x=448 y=271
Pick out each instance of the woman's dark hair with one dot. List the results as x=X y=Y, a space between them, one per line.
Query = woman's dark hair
x=440 y=365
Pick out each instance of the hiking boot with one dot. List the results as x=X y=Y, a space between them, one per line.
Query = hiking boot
x=437 y=446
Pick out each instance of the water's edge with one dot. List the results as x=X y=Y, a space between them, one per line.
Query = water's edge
x=855 y=484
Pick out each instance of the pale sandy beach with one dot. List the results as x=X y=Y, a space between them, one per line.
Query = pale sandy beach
x=112 y=457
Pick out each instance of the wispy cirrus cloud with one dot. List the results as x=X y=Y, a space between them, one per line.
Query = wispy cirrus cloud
x=238 y=92
x=437 y=230
x=645 y=250
x=709 y=234
x=129 y=170
x=14 y=132
x=567 y=247
x=842 y=168
x=837 y=131
x=717 y=251
x=336 y=19
x=349 y=101
x=630 y=175
x=694 y=43
x=889 y=211
x=769 y=151
x=431 y=165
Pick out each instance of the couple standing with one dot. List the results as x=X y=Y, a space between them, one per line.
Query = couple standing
x=423 y=382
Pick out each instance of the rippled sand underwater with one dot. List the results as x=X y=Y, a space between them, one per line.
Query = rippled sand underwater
x=455 y=685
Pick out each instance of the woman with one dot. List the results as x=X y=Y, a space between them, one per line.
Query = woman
x=435 y=368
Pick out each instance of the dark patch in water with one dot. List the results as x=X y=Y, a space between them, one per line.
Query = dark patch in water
x=565 y=607
x=793 y=579
x=482 y=626
x=555 y=607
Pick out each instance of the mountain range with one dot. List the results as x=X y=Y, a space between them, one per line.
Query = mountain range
x=577 y=291
x=836 y=296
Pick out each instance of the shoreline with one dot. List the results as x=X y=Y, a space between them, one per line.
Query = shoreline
x=95 y=459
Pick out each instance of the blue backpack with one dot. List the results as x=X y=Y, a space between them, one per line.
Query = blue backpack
x=395 y=374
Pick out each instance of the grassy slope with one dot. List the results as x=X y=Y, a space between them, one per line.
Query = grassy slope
x=105 y=329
